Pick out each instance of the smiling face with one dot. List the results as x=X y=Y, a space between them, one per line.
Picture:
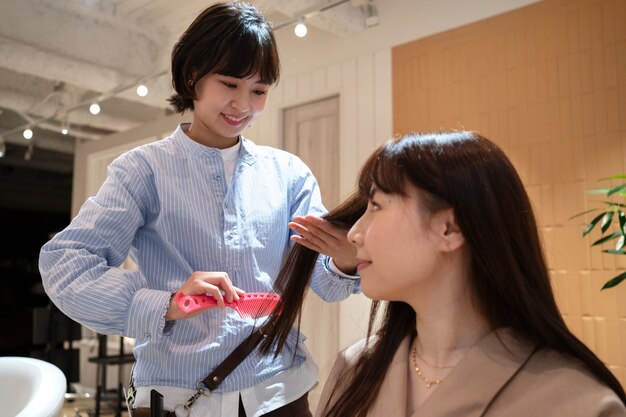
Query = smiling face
x=224 y=107
x=398 y=246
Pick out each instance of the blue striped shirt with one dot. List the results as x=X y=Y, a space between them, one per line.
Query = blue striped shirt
x=169 y=206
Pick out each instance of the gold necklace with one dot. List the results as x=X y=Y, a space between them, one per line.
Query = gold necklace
x=427 y=363
x=429 y=382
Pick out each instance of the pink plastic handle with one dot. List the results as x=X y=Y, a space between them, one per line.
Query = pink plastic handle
x=249 y=305
x=189 y=303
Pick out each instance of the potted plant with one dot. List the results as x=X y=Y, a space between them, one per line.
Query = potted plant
x=611 y=220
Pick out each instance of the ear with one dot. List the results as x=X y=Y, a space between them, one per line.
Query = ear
x=449 y=231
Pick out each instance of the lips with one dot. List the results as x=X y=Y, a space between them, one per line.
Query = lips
x=234 y=120
x=362 y=265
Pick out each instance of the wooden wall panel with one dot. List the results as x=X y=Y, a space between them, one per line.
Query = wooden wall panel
x=548 y=84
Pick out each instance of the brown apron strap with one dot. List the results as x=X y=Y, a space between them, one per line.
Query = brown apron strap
x=233 y=360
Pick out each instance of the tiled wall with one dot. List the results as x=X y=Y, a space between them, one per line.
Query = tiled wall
x=547 y=83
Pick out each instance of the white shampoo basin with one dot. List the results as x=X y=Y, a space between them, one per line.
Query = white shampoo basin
x=30 y=388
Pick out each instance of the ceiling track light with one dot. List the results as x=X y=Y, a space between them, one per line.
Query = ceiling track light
x=94 y=108
x=300 y=29
x=307 y=13
x=65 y=123
x=28 y=155
x=371 y=14
x=142 y=90
x=27 y=133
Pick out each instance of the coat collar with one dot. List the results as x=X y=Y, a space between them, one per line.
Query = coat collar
x=486 y=368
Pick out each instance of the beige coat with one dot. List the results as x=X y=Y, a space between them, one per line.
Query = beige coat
x=493 y=380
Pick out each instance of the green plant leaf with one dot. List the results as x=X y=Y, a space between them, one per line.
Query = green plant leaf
x=607 y=238
x=583 y=213
x=615 y=252
x=614 y=281
x=606 y=220
x=622 y=221
x=593 y=223
x=620 y=243
x=614 y=177
x=616 y=189
x=613 y=204
x=598 y=191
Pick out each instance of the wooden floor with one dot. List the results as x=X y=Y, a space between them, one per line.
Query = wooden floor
x=86 y=408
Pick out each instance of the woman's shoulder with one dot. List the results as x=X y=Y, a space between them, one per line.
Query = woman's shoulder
x=561 y=385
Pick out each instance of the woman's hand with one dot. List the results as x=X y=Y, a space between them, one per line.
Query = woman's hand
x=319 y=235
x=201 y=283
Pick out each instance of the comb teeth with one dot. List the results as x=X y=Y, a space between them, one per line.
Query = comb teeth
x=250 y=305
x=255 y=305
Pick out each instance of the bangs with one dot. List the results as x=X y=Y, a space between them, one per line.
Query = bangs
x=386 y=171
x=248 y=54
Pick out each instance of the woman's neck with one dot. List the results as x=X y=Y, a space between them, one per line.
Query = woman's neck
x=447 y=322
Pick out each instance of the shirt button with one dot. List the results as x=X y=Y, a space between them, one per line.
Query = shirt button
x=147 y=335
x=231 y=235
x=213 y=152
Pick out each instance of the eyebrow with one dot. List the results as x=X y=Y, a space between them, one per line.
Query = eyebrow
x=258 y=82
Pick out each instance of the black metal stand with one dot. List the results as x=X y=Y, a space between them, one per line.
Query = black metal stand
x=103 y=361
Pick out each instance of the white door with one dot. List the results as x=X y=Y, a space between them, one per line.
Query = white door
x=311 y=131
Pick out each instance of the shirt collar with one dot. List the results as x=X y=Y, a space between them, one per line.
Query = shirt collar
x=247 y=148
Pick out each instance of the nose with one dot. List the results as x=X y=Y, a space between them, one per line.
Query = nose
x=355 y=237
x=241 y=102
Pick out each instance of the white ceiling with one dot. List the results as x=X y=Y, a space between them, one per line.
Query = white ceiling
x=57 y=55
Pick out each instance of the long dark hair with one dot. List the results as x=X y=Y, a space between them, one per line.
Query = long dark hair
x=293 y=279
x=470 y=174
x=232 y=39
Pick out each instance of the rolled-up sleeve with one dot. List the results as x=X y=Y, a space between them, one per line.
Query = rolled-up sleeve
x=80 y=266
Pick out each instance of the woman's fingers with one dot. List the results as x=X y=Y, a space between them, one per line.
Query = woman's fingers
x=322 y=236
x=213 y=283
x=302 y=241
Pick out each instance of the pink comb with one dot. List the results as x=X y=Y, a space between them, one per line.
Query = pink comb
x=250 y=305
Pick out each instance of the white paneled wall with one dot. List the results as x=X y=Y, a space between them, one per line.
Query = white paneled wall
x=363 y=85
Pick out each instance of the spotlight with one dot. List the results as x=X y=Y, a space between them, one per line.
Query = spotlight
x=300 y=30
x=94 y=109
x=65 y=126
x=142 y=90
x=3 y=147
x=28 y=134
x=65 y=123
x=371 y=15
x=28 y=155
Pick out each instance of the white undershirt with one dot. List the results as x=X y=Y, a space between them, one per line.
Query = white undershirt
x=230 y=156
